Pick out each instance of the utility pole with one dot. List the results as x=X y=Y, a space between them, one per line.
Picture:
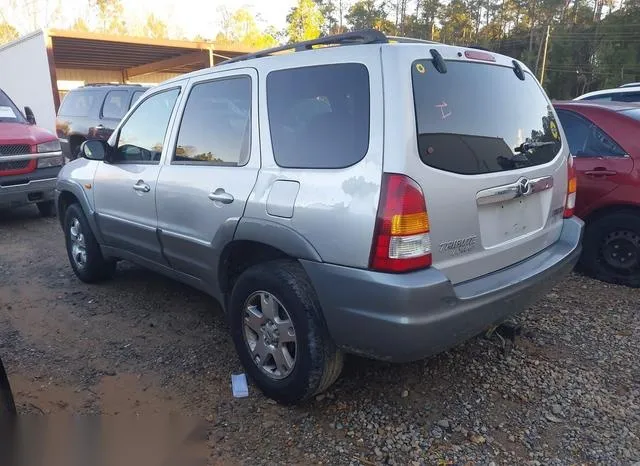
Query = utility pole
x=544 y=56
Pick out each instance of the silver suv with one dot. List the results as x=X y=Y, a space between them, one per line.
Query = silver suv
x=374 y=197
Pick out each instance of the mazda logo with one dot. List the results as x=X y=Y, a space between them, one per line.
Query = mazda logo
x=524 y=187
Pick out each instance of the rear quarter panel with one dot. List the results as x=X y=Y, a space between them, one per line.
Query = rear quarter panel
x=334 y=209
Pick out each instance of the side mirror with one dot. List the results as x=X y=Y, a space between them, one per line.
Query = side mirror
x=95 y=150
x=30 y=116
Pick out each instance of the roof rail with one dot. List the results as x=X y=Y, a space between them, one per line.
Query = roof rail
x=109 y=84
x=365 y=36
x=411 y=40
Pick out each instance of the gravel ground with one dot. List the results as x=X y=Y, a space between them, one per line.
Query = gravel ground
x=567 y=393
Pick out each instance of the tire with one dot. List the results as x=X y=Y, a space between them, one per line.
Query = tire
x=90 y=267
x=610 y=240
x=7 y=405
x=317 y=361
x=47 y=208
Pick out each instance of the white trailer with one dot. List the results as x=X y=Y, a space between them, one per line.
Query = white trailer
x=25 y=76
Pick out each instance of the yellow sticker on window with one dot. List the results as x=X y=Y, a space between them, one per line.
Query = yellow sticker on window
x=420 y=67
x=554 y=130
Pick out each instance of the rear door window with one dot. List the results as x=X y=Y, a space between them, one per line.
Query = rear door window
x=78 y=103
x=319 y=115
x=136 y=96
x=216 y=124
x=480 y=118
x=587 y=139
x=115 y=105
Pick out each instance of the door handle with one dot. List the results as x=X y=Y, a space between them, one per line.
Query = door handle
x=600 y=171
x=220 y=195
x=142 y=187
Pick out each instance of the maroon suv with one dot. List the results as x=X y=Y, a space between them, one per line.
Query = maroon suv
x=605 y=141
x=30 y=159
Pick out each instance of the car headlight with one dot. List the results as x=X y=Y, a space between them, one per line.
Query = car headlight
x=51 y=146
x=47 y=162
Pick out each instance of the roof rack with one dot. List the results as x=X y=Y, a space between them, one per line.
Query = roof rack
x=365 y=36
x=479 y=47
x=109 y=84
x=410 y=40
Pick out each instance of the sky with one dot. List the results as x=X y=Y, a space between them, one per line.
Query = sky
x=184 y=17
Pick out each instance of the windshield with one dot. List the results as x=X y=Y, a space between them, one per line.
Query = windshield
x=479 y=118
x=9 y=113
x=633 y=113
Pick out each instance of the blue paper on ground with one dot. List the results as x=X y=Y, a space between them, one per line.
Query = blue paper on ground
x=239 y=385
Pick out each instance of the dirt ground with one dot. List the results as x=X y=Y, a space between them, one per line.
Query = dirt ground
x=151 y=350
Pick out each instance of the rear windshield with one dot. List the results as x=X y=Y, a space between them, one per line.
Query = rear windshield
x=9 y=113
x=479 y=118
x=633 y=113
x=78 y=103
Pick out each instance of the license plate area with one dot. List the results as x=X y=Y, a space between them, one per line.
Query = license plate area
x=502 y=222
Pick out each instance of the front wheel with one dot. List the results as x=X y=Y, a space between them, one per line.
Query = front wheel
x=83 y=250
x=279 y=334
x=611 y=249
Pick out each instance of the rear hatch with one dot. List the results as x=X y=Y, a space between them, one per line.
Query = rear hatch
x=488 y=154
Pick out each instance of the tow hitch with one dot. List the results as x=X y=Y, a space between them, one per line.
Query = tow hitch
x=504 y=335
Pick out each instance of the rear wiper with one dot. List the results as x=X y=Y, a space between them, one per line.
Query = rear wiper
x=527 y=146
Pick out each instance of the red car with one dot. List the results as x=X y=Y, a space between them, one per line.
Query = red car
x=30 y=159
x=605 y=141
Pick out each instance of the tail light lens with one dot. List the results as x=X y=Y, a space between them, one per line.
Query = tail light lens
x=572 y=184
x=401 y=240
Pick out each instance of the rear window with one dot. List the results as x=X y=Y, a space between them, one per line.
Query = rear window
x=634 y=113
x=78 y=103
x=319 y=115
x=479 y=118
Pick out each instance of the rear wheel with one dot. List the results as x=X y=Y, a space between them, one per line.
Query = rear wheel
x=279 y=333
x=83 y=250
x=612 y=249
x=47 y=208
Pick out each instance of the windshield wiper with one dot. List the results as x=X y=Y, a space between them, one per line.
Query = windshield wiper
x=527 y=146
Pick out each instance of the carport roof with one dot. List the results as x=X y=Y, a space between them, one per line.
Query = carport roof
x=135 y=55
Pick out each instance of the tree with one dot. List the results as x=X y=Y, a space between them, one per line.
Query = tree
x=367 y=14
x=155 y=28
x=7 y=32
x=79 y=25
x=332 y=13
x=305 y=21
x=110 y=16
x=241 y=27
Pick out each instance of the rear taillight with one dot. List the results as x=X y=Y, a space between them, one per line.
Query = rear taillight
x=401 y=241
x=572 y=184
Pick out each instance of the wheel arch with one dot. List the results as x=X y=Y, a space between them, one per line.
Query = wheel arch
x=610 y=209
x=69 y=192
x=256 y=241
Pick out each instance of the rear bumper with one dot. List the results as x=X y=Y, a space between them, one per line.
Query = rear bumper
x=29 y=192
x=406 y=317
